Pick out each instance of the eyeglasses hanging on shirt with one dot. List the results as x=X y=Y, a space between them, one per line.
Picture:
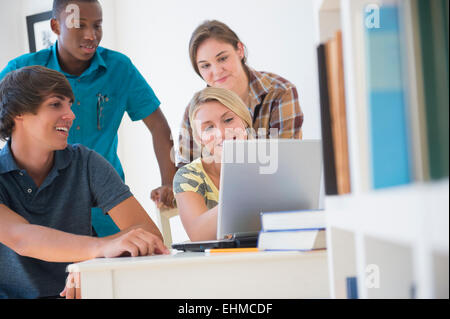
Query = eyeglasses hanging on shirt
x=101 y=99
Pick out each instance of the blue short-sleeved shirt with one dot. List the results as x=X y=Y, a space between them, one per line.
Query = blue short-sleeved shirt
x=113 y=76
x=79 y=180
x=110 y=74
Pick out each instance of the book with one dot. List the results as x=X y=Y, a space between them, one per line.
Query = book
x=415 y=93
x=336 y=92
x=325 y=117
x=231 y=250
x=299 y=240
x=352 y=287
x=292 y=220
x=388 y=131
x=352 y=20
x=433 y=26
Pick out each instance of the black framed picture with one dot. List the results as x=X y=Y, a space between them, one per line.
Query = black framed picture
x=40 y=34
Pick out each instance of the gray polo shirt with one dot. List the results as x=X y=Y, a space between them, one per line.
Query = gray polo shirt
x=79 y=180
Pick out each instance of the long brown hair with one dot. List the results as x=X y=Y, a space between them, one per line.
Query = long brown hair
x=216 y=30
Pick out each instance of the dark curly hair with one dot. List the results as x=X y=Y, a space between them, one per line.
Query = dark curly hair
x=24 y=90
x=60 y=5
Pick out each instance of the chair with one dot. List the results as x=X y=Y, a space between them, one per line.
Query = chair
x=164 y=215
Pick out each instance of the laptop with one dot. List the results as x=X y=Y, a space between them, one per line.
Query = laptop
x=258 y=176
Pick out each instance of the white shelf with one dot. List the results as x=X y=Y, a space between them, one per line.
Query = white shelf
x=403 y=214
x=402 y=230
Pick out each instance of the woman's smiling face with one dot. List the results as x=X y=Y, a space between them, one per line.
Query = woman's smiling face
x=216 y=123
x=220 y=64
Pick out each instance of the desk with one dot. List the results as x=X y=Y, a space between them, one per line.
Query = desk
x=195 y=275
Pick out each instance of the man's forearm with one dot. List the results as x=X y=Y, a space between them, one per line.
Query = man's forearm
x=166 y=166
x=56 y=246
x=163 y=147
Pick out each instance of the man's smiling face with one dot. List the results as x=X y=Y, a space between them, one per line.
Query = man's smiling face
x=79 y=37
x=49 y=127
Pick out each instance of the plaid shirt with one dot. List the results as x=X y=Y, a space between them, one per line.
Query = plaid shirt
x=273 y=105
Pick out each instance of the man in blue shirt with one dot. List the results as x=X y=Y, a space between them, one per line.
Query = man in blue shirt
x=48 y=187
x=106 y=85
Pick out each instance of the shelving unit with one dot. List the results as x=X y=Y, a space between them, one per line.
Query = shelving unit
x=395 y=240
x=378 y=228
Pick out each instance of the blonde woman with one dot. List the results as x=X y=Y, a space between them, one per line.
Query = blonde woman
x=216 y=114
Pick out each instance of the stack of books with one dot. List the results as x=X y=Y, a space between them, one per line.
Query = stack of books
x=301 y=230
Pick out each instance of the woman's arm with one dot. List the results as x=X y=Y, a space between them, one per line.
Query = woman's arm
x=199 y=222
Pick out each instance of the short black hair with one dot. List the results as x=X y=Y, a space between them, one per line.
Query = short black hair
x=22 y=91
x=60 y=5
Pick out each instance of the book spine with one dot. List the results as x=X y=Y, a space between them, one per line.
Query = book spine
x=292 y=230
x=265 y=225
x=327 y=137
x=386 y=95
x=433 y=22
x=343 y=117
x=352 y=288
x=265 y=237
x=336 y=91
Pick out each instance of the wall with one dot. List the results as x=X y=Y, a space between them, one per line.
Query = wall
x=13 y=31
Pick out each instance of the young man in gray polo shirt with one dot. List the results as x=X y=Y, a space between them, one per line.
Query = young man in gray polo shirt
x=48 y=187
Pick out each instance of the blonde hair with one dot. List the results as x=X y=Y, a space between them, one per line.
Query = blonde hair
x=226 y=97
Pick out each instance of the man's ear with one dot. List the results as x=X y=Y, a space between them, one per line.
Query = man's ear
x=54 y=24
x=18 y=118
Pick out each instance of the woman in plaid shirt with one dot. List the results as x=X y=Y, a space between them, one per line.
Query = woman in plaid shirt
x=219 y=58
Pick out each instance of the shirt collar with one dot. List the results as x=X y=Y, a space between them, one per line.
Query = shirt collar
x=96 y=62
x=63 y=158
x=53 y=63
x=8 y=164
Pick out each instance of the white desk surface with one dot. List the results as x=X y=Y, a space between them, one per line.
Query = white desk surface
x=196 y=275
